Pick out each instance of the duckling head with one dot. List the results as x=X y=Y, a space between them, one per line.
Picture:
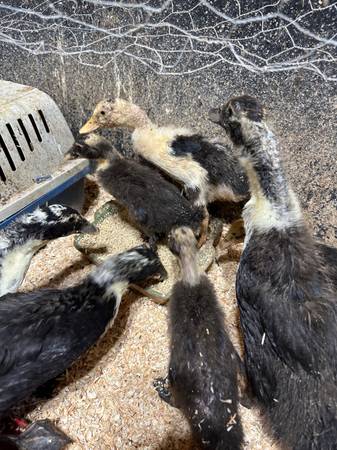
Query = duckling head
x=115 y=114
x=93 y=146
x=182 y=240
x=131 y=266
x=183 y=244
x=21 y=239
x=50 y=222
x=236 y=115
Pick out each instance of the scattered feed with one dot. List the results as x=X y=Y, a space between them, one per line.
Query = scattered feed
x=117 y=234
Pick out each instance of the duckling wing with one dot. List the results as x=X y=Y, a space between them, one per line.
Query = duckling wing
x=169 y=208
x=294 y=330
x=155 y=203
x=183 y=145
x=217 y=159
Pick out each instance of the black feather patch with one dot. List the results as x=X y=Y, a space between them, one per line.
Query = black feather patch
x=288 y=313
x=182 y=145
x=219 y=161
x=203 y=367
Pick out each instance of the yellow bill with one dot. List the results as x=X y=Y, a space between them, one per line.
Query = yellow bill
x=88 y=127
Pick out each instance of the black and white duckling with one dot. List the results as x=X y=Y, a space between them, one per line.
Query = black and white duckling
x=203 y=370
x=22 y=238
x=153 y=203
x=286 y=294
x=43 y=332
x=207 y=170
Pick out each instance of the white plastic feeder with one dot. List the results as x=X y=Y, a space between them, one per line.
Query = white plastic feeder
x=34 y=136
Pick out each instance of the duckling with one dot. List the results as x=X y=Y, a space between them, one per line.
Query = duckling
x=153 y=203
x=286 y=294
x=256 y=113
x=207 y=170
x=203 y=368
x=43 y=332
x=23 y=237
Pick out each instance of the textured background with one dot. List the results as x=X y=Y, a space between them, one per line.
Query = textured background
x=301 y=103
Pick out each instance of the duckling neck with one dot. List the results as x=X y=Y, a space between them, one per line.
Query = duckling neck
x=140 y=122
x=273 y=204
x=189 y=268
x=14 y=263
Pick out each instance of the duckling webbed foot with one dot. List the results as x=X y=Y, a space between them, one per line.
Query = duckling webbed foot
x=162 y=386
x=40 y=435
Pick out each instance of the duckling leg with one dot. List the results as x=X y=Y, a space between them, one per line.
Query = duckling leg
x=203 y=229
x=246 y=397
x=237 y=229
x=231 y=246
x=162 y=386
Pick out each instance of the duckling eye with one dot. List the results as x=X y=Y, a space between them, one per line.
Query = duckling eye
x=103 y=113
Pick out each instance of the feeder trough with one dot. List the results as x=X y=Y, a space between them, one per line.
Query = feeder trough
x=34 y=136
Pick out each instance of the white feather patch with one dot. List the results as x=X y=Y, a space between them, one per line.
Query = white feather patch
x=154 y=144
x=116 y=289
x=15 y=265
x=261 y=214
x=57 y=209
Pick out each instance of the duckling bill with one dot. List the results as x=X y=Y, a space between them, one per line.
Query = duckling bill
x=22 y=238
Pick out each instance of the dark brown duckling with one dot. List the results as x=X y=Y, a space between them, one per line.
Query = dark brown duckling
x=153 y=203
x=286 y=291
x=208 y=170
x=22 y=238
x=204 y=367
x=43 y=332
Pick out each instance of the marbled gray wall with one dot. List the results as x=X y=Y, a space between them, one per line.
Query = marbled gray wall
x=302 y=109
